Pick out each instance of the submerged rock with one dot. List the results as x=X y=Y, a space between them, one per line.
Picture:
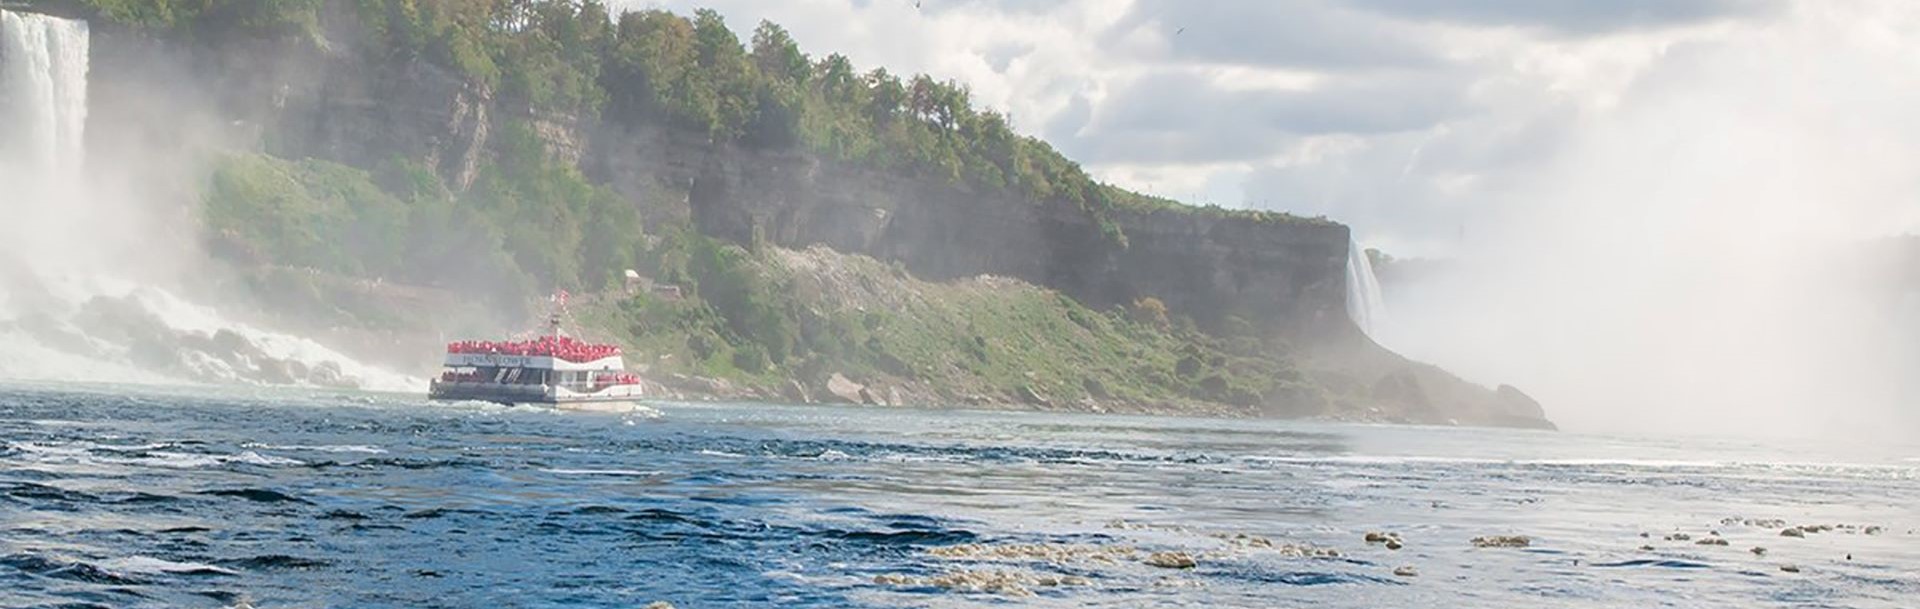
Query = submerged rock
x=1793 y=532
x=1502 y=541
x=1758 y=551
x=1406 y=572
x=1711 y=541
x=1790 y=568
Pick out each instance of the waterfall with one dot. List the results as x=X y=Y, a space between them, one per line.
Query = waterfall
x=68 y=310
x=43 y=93
x=1364 y=305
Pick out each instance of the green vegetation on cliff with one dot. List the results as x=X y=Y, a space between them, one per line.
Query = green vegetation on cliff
x=528 y=225
x=757 y=319
x=754 y=318
x=573 y=57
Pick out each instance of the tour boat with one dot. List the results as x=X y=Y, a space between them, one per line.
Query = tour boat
x=551 y=369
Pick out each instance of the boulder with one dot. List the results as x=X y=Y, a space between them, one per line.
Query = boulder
x=841 y=390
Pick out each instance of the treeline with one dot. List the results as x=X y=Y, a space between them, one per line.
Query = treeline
x=573 y=57
x=527 y=226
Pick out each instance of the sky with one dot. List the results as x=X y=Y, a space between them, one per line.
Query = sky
x=1651 y=210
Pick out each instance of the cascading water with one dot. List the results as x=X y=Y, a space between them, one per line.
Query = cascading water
x=67 y=309
x=1364 y=304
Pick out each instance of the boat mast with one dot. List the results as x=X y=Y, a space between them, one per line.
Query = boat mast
x=553 y=316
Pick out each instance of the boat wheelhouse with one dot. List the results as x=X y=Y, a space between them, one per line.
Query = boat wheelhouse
x=552 y=369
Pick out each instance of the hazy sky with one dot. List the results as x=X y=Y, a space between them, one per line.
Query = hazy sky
x=1398 y=116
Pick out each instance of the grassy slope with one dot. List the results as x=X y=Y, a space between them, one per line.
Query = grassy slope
x=985 y=339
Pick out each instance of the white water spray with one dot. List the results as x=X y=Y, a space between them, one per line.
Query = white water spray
x=71 y=307
x=1364 y=304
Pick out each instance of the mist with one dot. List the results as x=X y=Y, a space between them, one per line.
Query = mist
x=101 y=275
x=1705 y=254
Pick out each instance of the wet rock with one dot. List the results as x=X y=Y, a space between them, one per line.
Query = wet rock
x=1378 y=537
x=1790 y=568
x=1394 y=544
x=1502 y=541
x=1793 y=532
x=1172 y=560
x=1758 y=551
x=1711 y=541
x=1646 y=548
x=1406 y=572
x=1679 y=537
x=1874 y=530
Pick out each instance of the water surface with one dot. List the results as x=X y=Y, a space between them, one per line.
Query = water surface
x=141 y=497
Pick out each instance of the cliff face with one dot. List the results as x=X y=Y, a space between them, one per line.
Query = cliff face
x=1208 y=267
x=322 y=98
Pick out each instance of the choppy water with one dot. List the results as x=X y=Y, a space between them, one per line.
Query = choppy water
x=192 y=498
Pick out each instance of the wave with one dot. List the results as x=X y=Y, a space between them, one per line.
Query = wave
x=321 y=448
x=602 y=472
x=155 y=566
x=88 y=453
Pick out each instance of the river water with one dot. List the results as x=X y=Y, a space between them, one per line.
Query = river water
x=192 y=497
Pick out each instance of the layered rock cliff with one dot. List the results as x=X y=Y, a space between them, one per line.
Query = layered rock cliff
x=298 y=97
